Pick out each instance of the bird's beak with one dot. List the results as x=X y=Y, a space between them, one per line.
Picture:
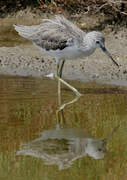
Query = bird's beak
x=109 y=55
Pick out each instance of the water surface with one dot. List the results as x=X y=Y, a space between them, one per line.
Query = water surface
x=28 y=107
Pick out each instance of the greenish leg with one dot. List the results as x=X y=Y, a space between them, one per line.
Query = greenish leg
x=59 y=86
x=61 y=68
x=69 y=86
x=59 y=94
x=60 y=80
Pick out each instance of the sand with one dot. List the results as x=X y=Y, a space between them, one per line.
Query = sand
x=26 y=60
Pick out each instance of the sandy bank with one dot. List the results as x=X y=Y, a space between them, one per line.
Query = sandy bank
x=27 y=60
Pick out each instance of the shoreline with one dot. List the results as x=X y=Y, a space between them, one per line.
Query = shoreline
x=18 y=57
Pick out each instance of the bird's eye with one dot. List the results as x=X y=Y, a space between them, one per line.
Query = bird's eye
x=97 y=42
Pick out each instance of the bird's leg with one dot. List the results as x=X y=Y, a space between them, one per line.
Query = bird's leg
x=58 y=76
x=59 y=113
x=61 y=68
x=59 y=85
x=69 y=86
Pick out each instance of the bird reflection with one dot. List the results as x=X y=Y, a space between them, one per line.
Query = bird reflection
x=62 y=147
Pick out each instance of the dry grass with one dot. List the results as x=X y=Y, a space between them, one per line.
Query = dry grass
x=85 y=6
x=73 y=6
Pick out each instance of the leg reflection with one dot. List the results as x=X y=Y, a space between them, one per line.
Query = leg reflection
x=60 y=110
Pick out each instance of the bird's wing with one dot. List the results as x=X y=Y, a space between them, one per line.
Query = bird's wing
x=26 y=31
x=57 y=33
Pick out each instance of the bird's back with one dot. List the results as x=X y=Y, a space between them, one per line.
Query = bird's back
x=52 y=34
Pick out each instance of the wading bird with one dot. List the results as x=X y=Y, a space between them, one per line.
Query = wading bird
x=63 y=40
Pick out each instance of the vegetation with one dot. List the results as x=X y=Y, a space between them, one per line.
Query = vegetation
x=117 y=8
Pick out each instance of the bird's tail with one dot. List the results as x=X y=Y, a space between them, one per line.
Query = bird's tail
x=25 y=31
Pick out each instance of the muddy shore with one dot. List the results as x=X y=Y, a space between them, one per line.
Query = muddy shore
x=23 y=59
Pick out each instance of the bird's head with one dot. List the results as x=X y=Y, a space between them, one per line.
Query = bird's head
x=97 y=40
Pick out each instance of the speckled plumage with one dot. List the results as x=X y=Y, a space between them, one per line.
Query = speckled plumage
x=61 y=39
x=52 y=34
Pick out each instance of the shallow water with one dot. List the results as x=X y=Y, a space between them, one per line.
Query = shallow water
x=28 y=108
